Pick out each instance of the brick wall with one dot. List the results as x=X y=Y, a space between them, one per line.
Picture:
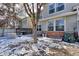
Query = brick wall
x=55 y=34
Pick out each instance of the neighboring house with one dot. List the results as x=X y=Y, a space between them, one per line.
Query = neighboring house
x=57 y=18
x=24 y=26
x=23 y=23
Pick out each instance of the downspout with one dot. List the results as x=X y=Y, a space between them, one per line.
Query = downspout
x=78 y=20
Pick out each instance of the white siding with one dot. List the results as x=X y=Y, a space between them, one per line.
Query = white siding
x=71 y=22
x=44 y=26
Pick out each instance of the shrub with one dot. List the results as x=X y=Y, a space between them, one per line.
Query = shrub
x=69 y=37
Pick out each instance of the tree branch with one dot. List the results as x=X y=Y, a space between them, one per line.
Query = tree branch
x=33 y=10
x=39 y=6
x=26 y=9
x=29 y=9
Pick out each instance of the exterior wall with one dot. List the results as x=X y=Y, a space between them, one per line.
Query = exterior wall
x=26 y=23
x=71 y=22
x=44 y=26
x=52 y=33
x=45 y=23
x=68 y=8
x=45 y=12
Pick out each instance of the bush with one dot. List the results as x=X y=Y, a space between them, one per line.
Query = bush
x=69 y=37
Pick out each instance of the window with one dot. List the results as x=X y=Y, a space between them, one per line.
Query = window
x=60 y=25
x=39 y=28
x=50 y=26
x=51 y=8
x=59 y=6
x=55 y=7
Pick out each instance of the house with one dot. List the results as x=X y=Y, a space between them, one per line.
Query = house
x=57 y=18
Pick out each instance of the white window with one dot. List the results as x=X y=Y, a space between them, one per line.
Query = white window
x=60 y=25
x=55 y=7
x=51 y=8
x=59 y=6
x=51 y=26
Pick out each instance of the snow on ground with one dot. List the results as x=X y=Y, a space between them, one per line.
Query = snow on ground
x=21 y=46
x=4 y=43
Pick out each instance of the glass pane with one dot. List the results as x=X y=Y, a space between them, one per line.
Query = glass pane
x=39 y=28
x=59 y=28
x=51 y=11
x=50 y=26
x=59 y=22
x=60 y=25
x=51 y=6
x=60 y=4
x=60 y=8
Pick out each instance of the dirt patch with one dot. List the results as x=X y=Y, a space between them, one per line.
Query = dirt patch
x=58 y=52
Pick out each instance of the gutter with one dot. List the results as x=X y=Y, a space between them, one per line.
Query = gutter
x=57 y=16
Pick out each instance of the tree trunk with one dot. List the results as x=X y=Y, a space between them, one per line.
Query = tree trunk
x=35 y=34
x=13 y=24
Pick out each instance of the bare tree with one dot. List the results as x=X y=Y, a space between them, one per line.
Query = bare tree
x=10 y=13
x=3 y=20
x=33 y=11
x=7 y=15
